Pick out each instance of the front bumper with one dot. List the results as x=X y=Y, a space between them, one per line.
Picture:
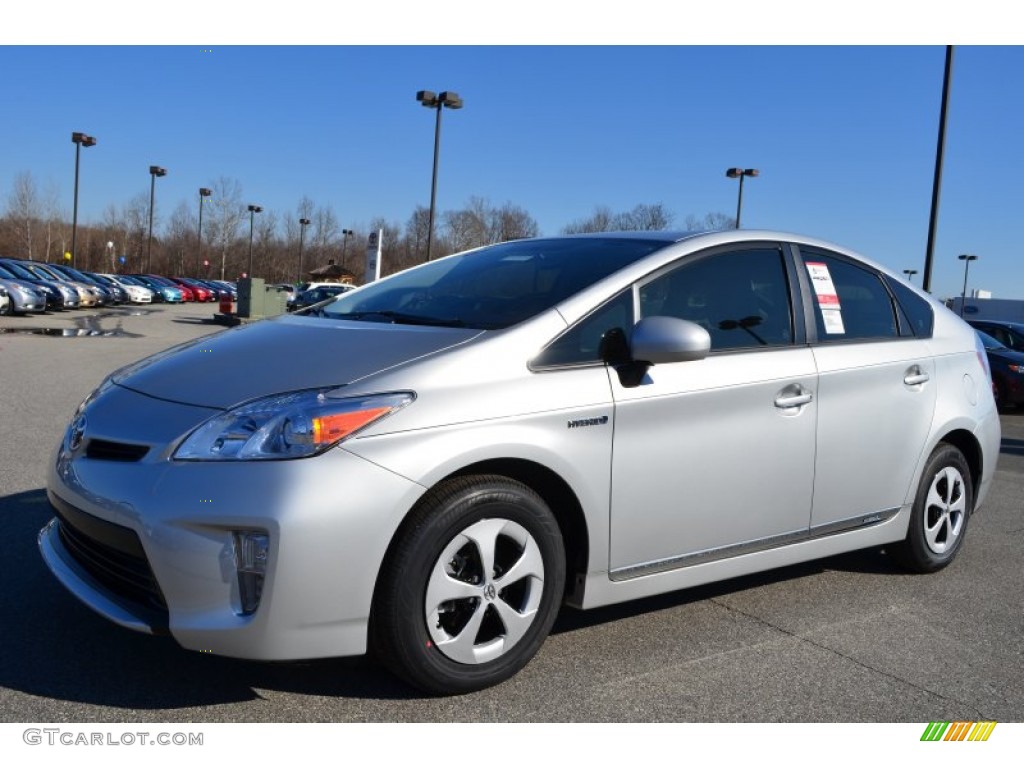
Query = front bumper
x=330 y=520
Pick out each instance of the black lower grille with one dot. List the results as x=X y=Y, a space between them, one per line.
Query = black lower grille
x=111 y=554
x=111 y=451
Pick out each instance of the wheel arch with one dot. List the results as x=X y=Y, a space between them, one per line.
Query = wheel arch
x=555 y=492
x=969 y=446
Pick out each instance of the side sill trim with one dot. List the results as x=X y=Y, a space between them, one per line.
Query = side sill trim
x=757 y=545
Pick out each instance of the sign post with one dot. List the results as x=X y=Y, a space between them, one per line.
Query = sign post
x=373 y=244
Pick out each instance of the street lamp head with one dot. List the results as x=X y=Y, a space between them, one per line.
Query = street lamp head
x=347 y=232
x=304 y=222
x=156 y=170
x=83 y=139
x=967 y=257
x=735 y=173
x=255 y=209
x=204 y=192
x=450 y=99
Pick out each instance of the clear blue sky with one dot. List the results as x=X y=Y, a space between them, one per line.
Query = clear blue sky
x=844 y=136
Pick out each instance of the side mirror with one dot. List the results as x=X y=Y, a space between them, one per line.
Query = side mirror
x=656 y=339
x=662 y=339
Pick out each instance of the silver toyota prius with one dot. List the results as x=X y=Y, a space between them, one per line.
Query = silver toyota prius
x=472 y=443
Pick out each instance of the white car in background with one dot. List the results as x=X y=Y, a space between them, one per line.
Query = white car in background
x=137 y=294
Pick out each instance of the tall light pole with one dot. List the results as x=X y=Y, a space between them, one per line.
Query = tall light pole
x=303 y=223
x=451 y=100
x=966 y=258
x=79 y=140
x=203 y=192
x=741 y=173
x=345 y=233
x=940 y=150
x=154 y=171
x=253 y=210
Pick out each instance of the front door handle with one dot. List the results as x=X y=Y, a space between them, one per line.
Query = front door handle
x=915 y=376
x=793 y=397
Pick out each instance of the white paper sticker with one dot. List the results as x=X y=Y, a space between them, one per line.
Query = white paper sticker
x=827 y=297
x=833 y=320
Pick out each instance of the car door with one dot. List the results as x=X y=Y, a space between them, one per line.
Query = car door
x=876 y=392
x=715 y=457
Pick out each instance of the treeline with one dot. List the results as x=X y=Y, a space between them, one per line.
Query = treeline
x=34 y=226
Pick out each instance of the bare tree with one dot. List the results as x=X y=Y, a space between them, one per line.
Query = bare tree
x=416 y=235
x=710 y=222
x=325 y=233
x=226 y=214
x=23 y=211
x=510 y=222
x=602 y=220
x=644 y=217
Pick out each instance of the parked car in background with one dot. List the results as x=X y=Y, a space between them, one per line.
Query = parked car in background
x=5 y=301
x=106 y=297
x=201 y=292
x=23 y=297
x=51 y=293
x=1007 y=333
x=124 y=296
x=68 y=293
x=88 y=295
x=479 y=439
x=120 y=295
x=169 y=293
x=313 y=296
x=137 y=292
x=1007 y=371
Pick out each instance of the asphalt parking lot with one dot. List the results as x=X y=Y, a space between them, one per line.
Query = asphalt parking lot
x=848 y=639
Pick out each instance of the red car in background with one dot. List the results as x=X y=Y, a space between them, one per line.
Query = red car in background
x=199 y=292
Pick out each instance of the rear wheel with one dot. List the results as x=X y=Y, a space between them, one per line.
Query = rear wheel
x=942 y=508
x=472 y=587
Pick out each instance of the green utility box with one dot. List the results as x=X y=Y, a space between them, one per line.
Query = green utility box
x=256 y=299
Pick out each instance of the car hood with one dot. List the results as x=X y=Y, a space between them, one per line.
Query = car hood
x=282 y=355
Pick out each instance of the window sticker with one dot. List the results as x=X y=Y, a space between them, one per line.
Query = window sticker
x=828 y=299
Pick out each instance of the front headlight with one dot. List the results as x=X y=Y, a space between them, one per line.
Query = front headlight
x=289 y=426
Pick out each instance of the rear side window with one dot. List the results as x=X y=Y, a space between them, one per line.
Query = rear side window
x=916 y=313
x=850 y=302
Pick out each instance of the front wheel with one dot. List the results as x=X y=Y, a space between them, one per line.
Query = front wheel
x=472 y=586
x=942 y=508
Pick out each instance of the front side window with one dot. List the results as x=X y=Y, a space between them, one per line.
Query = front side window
x=740 y=297
x=850 y=302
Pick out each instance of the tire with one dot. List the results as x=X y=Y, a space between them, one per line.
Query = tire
x=942 y=509
x=441 y=621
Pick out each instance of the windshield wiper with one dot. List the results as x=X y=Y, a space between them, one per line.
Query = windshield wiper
x=398 y=317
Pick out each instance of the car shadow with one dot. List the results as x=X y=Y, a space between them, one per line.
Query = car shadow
x=868 y=561
x=52 y=646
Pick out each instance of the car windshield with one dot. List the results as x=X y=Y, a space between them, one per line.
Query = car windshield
x=18 y=271
x=493 y=287
x=989 y=342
